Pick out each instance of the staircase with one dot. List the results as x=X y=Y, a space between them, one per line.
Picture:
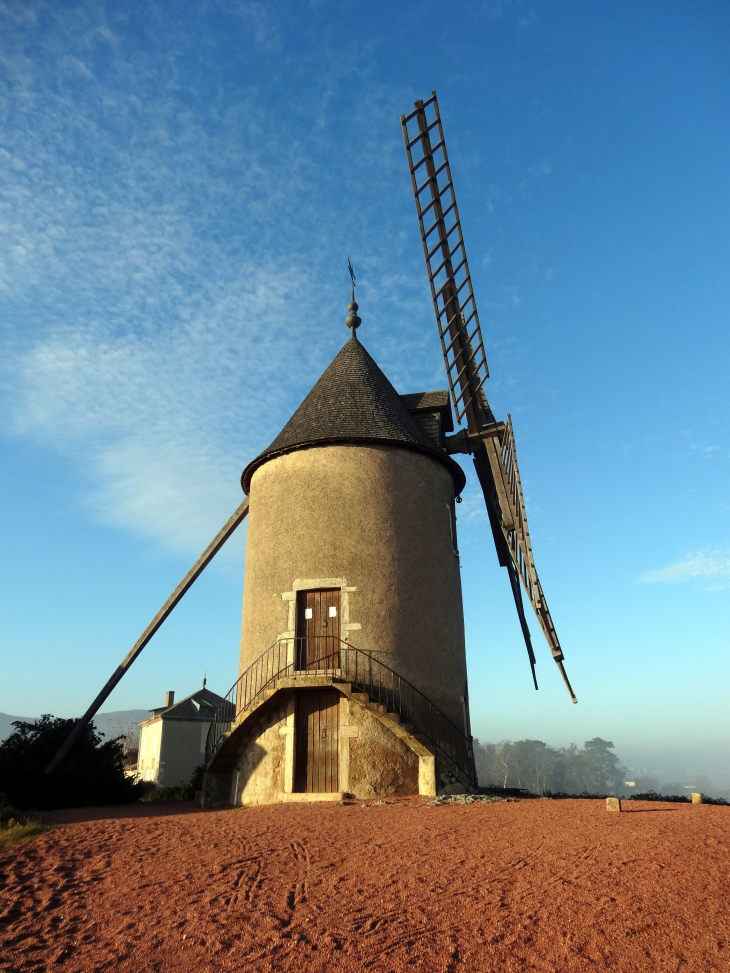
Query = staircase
x=409 y=733
x=366 y=680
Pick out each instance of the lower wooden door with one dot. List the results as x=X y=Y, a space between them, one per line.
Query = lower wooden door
x=317 y=764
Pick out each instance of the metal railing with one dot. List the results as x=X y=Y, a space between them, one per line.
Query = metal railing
x=330 y=655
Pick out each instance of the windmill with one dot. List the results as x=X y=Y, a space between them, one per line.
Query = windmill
x=491 y=443
x=352 y=672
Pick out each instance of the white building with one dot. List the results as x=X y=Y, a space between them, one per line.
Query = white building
x=172 y=740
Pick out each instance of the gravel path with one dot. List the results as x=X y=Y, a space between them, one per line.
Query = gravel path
x=535 y=885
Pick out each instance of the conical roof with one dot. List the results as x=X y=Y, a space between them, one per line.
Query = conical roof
x=353 y=402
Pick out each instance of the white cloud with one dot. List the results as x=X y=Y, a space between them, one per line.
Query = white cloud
x=712 y=567
x=173 y=264
x=706 y=451
x=162 y=424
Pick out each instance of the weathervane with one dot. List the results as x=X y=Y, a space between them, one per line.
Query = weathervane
x=352 y=320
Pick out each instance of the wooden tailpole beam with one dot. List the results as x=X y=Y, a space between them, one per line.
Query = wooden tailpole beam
x=193 y=574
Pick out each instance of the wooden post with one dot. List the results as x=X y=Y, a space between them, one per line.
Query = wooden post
x=197 y=569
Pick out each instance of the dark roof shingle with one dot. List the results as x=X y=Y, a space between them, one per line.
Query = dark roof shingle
x=426 y=401
x=200 y=705
x=417 y=402
x=353 y=402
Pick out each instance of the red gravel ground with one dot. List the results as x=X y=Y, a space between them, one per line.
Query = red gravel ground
x=534 y=885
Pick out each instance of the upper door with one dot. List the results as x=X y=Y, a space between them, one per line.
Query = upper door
x=318 y=629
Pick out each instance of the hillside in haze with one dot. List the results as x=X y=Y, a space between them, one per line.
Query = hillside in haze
x=117 y=723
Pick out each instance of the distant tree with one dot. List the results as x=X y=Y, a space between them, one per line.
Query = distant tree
x=492 y=763
x=533 y=765
x=92 y=772
x=483 y=758
x=568 y=776
x=604 y=771
x=509 y=773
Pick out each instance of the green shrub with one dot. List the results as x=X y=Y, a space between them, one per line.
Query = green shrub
x=15 y=826
x=20 y=832
x=653 y=796
x=178 y=792
x=677 y=798
x=10 y=815
x=92 y=772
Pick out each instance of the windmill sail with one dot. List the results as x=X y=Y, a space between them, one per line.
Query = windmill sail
x=492 y=443
x=518 y=541
x=448 y=270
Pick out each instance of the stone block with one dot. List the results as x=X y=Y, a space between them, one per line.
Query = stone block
x=697 y=798
x=613 y=804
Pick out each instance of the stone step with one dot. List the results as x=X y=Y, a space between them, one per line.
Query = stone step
x=380 y=708
x=396 y=717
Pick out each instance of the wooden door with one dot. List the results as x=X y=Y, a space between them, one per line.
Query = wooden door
x=318 y=629
x=317 y=767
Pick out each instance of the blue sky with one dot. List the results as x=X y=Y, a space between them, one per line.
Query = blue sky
x=180 y=188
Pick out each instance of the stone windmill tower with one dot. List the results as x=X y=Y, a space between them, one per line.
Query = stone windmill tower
x=353 y=587
x=352 y=674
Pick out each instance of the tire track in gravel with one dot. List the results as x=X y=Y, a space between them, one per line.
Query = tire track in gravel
x=297 y=892
x=243 y=886
x=306 y=889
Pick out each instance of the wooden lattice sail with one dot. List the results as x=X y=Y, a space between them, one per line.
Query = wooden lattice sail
x=491 y=443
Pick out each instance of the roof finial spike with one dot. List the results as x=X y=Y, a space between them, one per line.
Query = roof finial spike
x=352 y=320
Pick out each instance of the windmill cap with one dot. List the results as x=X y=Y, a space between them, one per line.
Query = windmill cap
x=353 y=403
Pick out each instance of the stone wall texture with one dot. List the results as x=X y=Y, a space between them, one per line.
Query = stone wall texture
x=374 y=520
x=381 y=765
x=259 y=773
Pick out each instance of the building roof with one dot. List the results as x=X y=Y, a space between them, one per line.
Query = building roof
x=353 y=402
x=200 y=705
x=417 y=402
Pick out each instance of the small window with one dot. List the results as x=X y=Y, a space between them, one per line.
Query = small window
x=308 y=612
x=333 y=611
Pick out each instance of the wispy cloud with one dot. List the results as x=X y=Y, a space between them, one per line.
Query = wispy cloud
x=162 y=424
x=710 y=567
x=170 y=257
